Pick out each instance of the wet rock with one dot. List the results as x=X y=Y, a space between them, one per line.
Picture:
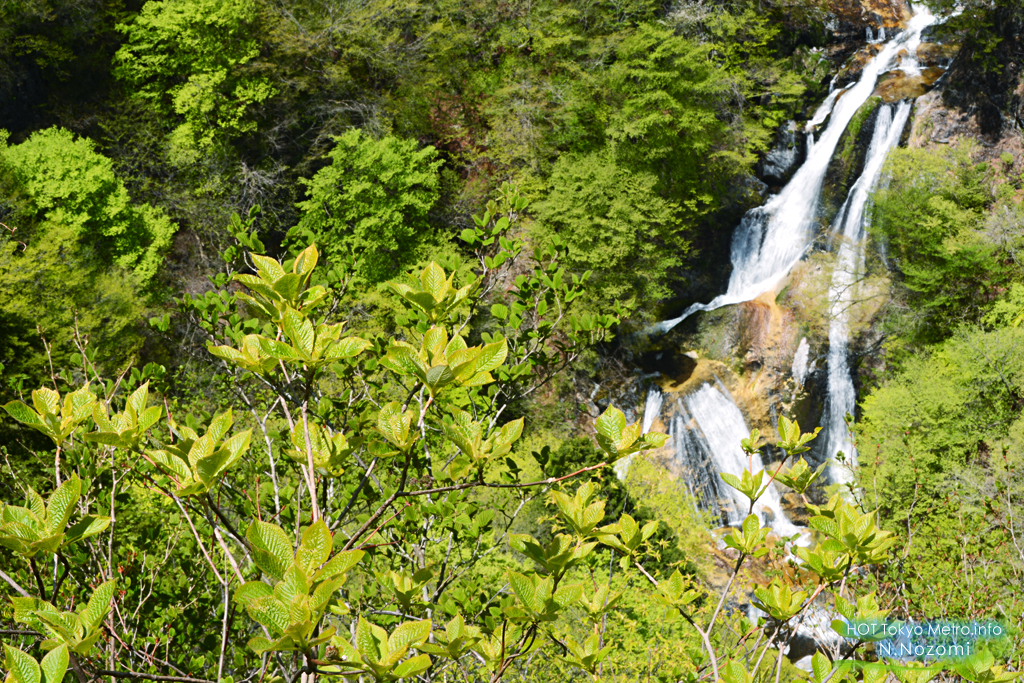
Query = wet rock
x=846 y=164
x=897 y=85
x=854 y=22
x=795 y=507
x=934 y=54
x=850 y=73
x=673 y=364
x=784 y=157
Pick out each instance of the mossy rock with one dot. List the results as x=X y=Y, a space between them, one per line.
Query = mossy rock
x=848 y=161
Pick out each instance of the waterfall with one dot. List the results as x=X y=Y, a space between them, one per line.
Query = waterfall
x=850 y=223
x=652 y=408
x=772 y=238
x=695 y=461
x=721 y=426
x=705 y=432
x=800 y=361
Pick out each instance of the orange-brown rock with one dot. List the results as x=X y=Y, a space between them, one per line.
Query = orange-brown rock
x=898 y=86
x=933 y=54
x=887 y=13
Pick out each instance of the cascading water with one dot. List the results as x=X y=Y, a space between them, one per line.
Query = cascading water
x=705 y=430
x=850 y=224
x=772 y=238
x=721 y=425
x=695 y=461
x=800 y=359
x=652 y=408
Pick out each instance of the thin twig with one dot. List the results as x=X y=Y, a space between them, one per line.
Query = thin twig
x=152 y=677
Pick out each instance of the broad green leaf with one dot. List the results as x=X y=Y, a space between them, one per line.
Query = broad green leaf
x=439 y=376
x=62 y=504
x=46 y=401
x=523 y=587
x=269 y=612
x=411 y=666
x=300 y=331
x=55 y=664
x=22 y=668
x=89 y=525
x=347 y=348
x=137 y=401
x=340 y=563
x=305 y=262
x=36 y=505
x=369 y=647
x=609 y=429
x=99 y=604
x=251 y=591
x=491 y=356
x=317 y=543
x=268 y=267
x=23 y=414
x=292 y=585
x=272 y=550
x=820 y=664
x=433 y=281
x=409 y=634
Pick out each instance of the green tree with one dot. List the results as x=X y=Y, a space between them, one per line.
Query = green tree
x=615 y=225
x=76 y=249
x=940 y=446
x=188 y=57
x=381 y=595
x=665 y=94
x=372 y=203
x=55 y=179
x=943 y=410
x=930 y=217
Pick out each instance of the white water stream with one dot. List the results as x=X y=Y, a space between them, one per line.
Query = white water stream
x=772 y=238
x=705 y=430
x=850 y=224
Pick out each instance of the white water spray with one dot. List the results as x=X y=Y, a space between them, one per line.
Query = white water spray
x=803 y=351
x=652 y=408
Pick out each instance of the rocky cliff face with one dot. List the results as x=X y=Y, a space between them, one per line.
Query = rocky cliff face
x=854 y=22
x=986 y=81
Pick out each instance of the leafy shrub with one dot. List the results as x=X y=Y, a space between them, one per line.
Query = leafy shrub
x=371 y=202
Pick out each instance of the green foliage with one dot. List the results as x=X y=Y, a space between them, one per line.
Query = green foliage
x=187 y=57
x=42 y=528
x=307 y=579
x=372 y=202
x=942 y=411
x=196 y=462
x=77 y=631
x=667 y=90
x=381 y=654
x=437 y=458
x=24 y=669
x=76 y=254
x=939 y=449
x=930 y=216
x=50 y=417
x=58 y=182
x=617 y=226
